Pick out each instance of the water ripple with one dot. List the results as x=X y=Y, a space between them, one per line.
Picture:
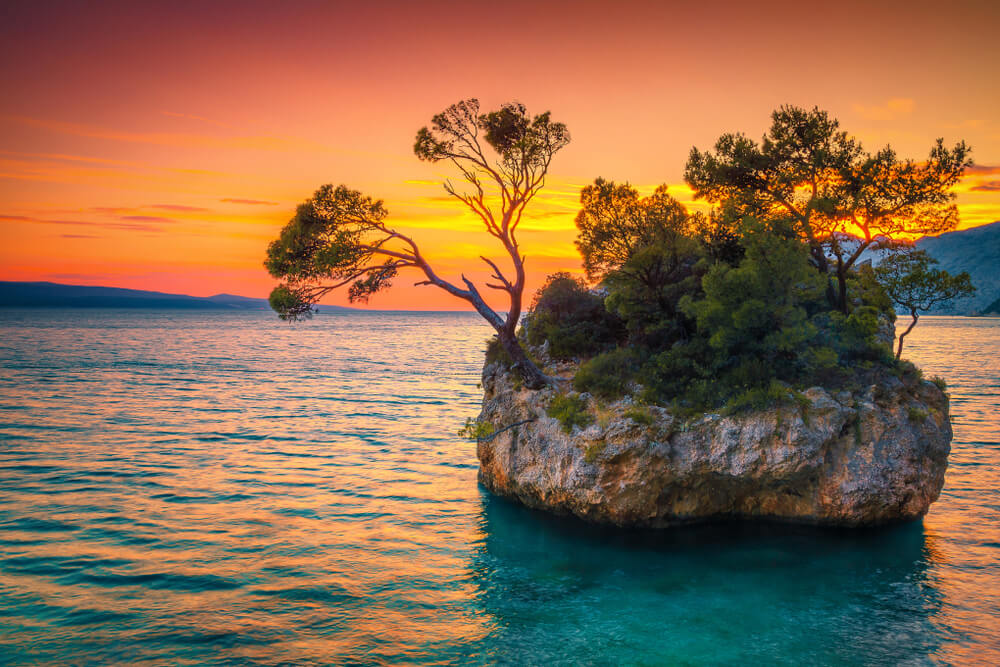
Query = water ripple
x=219 y=488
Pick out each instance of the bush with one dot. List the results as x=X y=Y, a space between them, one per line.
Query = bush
x=608 y=375
x=570 y=410
x=647 y=290
x=571 y=318
x=760 y=398
x=917 y=415
x=593 y=451
x=640 y=415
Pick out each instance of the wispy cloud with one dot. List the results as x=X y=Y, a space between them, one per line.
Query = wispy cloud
x=200 y=119
x=892 y=109
x=79 y=236
x=983 y=169
x=250 y=142
x=988 y=186
x=127 y=223
x=251 y=202
x=147 y=218
x=179 y=208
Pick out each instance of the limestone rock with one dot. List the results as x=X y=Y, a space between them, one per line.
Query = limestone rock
x=868 y=457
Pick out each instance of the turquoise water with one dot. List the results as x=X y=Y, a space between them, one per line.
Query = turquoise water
x=223 y=488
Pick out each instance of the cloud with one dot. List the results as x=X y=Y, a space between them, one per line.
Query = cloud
x=892 y=109
x=178 y=207
x=988 y=186
x=983 y=169
x=172 y=139
x=62 y=157
x=79 y=236
x=251 y=202
x=130 y=225
x=201 y=119
x=147 y=218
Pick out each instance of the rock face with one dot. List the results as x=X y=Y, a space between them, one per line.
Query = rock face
x=864 y=458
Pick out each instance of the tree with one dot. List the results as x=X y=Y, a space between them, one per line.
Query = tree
x=571 y=318
x=754 y=316
x=840 y=199
x=614 y=222
x=912 y=283
x=340 y=237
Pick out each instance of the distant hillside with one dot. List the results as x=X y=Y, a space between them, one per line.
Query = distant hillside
x=992 y=309
x=55 y=295
x=976 y=250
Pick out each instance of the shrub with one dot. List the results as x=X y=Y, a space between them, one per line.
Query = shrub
x=608 y=375
x=593 y=451
x=570 y=410
x=476 y=430
x=640 y=415
x=917 y=415
x=940 y=383
x=571 y=318
x=760 y=398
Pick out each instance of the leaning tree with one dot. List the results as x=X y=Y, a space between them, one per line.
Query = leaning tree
x=841 y=200
x=912 y=282
x=341 y=237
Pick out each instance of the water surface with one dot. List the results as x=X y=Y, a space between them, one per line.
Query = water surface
x=218 y=488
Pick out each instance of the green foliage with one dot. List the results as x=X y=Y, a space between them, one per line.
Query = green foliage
x=570 y=410
x=289 y=303
x=594 y=450
x=326 y=242
x=838 y=198
x=608 y=375
x=760 y=328
x=755 y=316
x=760 y=398
x=917 y=415
x=911 y=282
x=495 y=352
x=523 y=142
x=647 y=290
x=475 y=429
x=614 y=223
x=572 y=319
x=940 y=382
x=640 y=414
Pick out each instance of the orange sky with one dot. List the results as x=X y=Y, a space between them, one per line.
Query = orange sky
x=162 y=147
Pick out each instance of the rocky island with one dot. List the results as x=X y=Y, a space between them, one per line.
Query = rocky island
x=733 y=361
x=864 y=457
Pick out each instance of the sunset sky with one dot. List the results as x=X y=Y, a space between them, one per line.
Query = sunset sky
x=161 y=145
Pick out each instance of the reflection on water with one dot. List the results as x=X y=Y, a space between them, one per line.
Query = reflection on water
x=211 y=488
x=724 y=593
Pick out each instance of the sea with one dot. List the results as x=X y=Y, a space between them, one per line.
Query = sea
x=224 y=488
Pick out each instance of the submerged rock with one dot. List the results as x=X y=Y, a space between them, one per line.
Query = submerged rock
x=851 y=458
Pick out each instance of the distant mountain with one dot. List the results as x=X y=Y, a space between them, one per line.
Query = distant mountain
x=55 y=295
x=992 y=309
x=976 y=250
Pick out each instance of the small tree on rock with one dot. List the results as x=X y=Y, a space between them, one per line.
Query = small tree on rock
x=614 y=222
x=340 y=237
x=911 y=282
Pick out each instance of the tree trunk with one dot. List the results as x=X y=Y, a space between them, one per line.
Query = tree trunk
x=842 y=293
x=913 y=323
x=532 y=376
